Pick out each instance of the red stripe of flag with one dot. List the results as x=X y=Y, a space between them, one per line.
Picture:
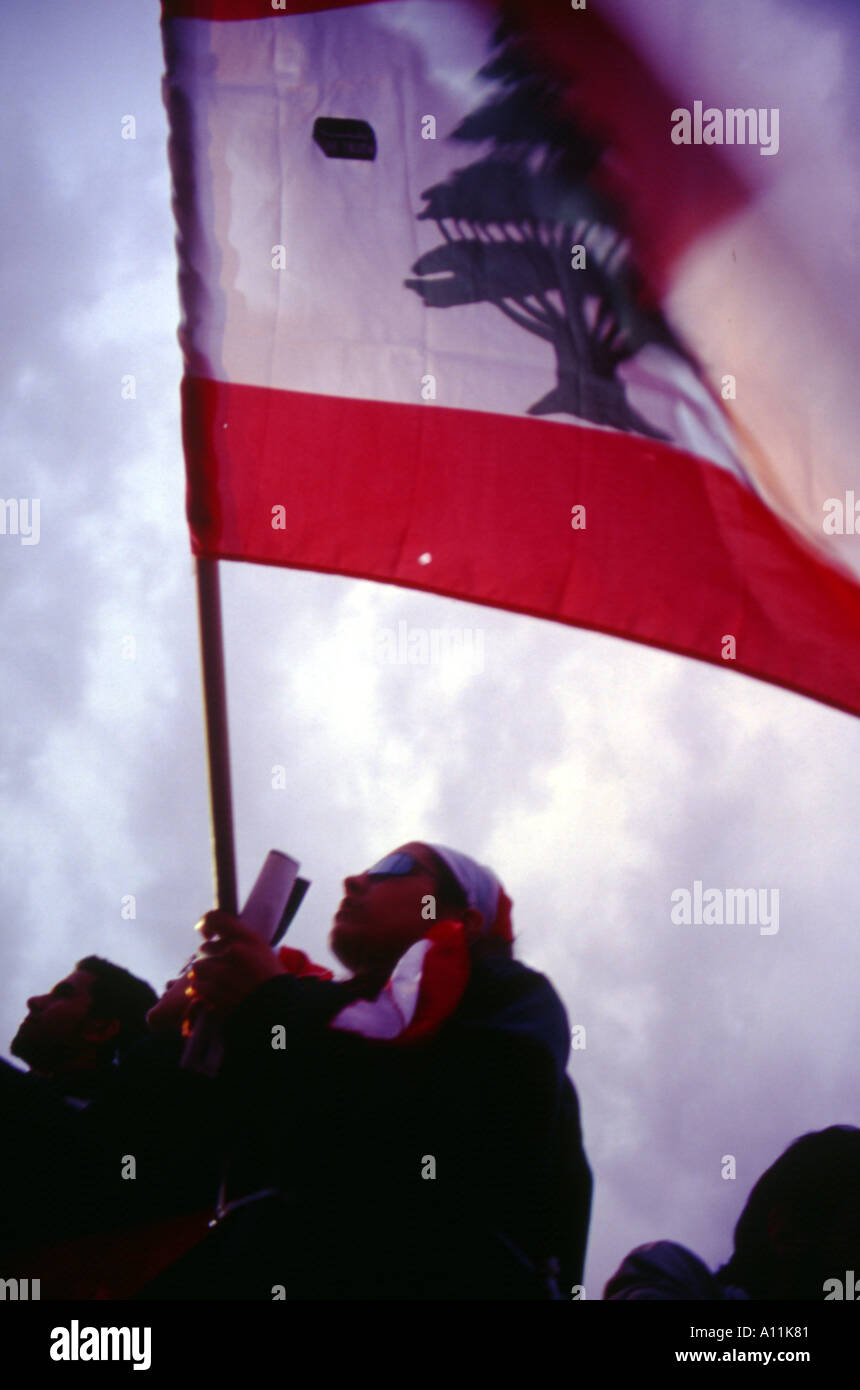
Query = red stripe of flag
x=675 y=552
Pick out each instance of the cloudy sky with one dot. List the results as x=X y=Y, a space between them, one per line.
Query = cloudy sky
x=595 y=776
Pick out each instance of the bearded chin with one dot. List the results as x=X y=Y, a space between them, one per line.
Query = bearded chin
x=360 y=956
x=347 y=949
x=15 y=1047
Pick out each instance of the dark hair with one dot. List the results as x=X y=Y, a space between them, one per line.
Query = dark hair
x=452 y=895
x=812 y=1178
x=450 y=891
x=116 y=993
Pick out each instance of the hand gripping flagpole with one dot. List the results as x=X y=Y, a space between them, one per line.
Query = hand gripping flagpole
x=217 y=739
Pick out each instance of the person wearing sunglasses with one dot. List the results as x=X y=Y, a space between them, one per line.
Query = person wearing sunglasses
x=408 y=1132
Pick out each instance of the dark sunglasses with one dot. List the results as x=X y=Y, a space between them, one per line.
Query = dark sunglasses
x=393 y=866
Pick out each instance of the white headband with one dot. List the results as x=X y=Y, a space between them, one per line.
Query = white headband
x=479 y=883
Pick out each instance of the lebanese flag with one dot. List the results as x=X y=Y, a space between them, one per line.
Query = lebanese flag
x=461 y=312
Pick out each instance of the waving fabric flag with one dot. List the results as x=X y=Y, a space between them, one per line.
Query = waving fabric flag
x=508 y=303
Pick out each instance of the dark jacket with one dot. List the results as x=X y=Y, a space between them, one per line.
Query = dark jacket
x=665 y=1272
x=66 y=1169
x=452 y=1169
x=39 y=1117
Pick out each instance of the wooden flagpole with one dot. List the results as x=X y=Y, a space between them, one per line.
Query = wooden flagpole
x=217 y=739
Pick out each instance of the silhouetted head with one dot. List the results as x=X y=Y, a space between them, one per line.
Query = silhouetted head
x=89 y=1016
x=801 y=1223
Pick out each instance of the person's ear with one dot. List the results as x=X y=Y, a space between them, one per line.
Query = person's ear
x=100 y=1030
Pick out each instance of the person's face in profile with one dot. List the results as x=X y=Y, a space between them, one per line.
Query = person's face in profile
x=57 y=1027
x=380 y=916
